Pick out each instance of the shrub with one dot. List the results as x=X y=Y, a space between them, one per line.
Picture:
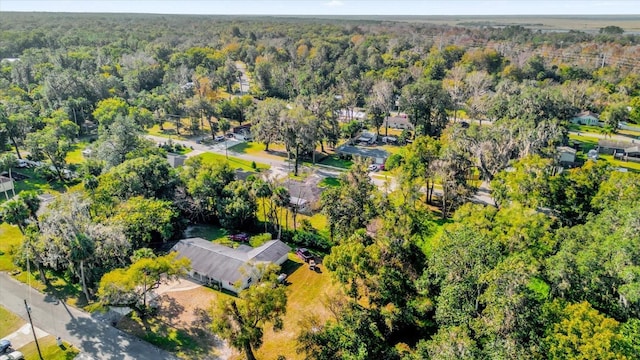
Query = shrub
x=393 y=162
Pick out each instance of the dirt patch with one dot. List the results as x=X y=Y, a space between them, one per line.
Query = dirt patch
x=181 y=323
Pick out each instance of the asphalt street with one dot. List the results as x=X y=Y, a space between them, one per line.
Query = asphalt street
x=95 y=339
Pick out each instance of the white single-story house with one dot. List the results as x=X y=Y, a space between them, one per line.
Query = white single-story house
x=566 y=154
x=222 y=267
x=586 y=118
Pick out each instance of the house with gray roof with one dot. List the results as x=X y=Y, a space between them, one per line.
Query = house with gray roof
x=222 y=267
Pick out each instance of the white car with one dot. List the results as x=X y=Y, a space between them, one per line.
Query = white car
x=16 y=355
x=373 y=167
x=219 y=138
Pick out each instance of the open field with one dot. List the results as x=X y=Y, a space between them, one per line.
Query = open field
x=586 y=23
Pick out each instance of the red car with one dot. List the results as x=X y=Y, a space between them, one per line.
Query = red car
x=242 y=237
x=304 y=254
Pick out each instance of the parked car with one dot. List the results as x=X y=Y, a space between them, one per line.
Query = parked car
x=282 y=278
x=242 y=237
x=15 y=355
x=5 y=346
x=219 y=138
x=312 y=265
x=304 y=254
x=373 y=167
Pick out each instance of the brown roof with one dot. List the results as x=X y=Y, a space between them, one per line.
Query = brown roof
x=587 y=113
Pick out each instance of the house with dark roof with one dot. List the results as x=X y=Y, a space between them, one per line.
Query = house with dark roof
x=222 y=267
x=613 y=147
x=377 y=156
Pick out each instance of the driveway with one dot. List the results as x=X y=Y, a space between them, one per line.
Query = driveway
x=95 y=339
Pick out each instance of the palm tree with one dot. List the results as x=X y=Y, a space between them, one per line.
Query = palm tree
x=263 y=191
x=15 y=212
x=281 y=198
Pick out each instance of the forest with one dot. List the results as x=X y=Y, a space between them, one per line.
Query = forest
x=549 y=270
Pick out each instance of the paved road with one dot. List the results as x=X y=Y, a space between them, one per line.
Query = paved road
x=95 y=339
x=244 y=82
x=281 y=167
x=615 y=137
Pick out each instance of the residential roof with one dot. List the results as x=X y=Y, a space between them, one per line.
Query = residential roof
x=224 y=263
x=632 y=150
x=566 y=149
x=363 y=151
x=612 y=144
x=297 y=200
x=586 y=113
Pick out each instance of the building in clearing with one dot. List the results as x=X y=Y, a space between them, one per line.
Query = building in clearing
x=566 y=155
x=586 y=118
x=222 y=267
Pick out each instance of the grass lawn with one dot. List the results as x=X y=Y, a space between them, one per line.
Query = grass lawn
x=335 y=161
x=50 y=350
x=169 y=130
x=11 y=240
x=249 y=147
x=75 y=155
x=586 y=142
x=308 y=293
x=9 y=322
x=207 y=232
x=632 y=166
x=235 y=163
x=329 y=182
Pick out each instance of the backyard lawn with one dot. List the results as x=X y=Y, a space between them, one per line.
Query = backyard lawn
x=308 y=293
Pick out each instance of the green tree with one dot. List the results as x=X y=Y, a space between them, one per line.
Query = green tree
x=146 y=220
x=426 y=103
x=15 y=212
x=117 y=140
x=581 y=332
x=262 y=190
x=150 y=177
x=108 y=110
x=205 y=185
x=237 y=206
x=130 y=286
x=350 y=205
x=53 y=143
x=266 y=120
x=242 y=321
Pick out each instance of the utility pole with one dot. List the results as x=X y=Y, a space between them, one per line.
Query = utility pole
x=32 y=328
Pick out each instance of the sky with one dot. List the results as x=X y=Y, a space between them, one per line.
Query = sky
x=333 y=7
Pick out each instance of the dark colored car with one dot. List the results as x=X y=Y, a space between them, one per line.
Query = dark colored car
x=239 y=237
x=5 y=345
x=304 y=254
